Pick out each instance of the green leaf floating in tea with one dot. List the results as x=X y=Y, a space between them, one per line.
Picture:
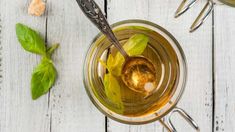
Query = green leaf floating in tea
x=134 y=46
x=112 y=91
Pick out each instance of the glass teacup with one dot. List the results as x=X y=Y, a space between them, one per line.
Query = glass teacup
x=164 y=51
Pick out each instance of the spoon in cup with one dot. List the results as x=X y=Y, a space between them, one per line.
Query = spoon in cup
x=138 y=73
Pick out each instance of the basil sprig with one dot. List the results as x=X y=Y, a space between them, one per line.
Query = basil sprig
x=44 y=75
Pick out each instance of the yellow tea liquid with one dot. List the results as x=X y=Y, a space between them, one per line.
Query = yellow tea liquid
x=160 y=52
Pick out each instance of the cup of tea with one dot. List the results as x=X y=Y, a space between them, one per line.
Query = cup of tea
x=119 y=102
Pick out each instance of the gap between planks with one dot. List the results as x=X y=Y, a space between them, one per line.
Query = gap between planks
x=49 y=92
x=213 y=70
x=106 y=15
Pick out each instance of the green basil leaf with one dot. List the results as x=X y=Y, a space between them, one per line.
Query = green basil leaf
x=43 y=78
x=30 y=40
x=113 y=92
x=134 y=46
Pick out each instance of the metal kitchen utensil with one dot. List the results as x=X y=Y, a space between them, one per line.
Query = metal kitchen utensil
x=203 y=15
x=95 y=88
x=93 y=12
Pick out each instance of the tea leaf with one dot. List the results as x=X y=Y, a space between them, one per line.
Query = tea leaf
x=43 y=78
x=134 y=46
x=109 y=63
x=113 y=92
x=30 y=40
x=103 y=63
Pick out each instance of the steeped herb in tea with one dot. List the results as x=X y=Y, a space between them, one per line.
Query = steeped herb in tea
x=134 y=46
x=109 y=87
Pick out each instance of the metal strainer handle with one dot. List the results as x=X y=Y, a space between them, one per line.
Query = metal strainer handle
x=206 y=11
x=183 y=7
x=169 y=125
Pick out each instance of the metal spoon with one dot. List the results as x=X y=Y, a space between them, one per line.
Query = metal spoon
x=138 y=73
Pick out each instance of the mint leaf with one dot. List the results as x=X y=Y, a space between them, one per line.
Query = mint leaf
x=30 y=40
x=113 y=92
x=43 y=78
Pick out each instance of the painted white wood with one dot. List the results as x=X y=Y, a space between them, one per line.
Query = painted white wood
x=122 y=10
x=67 y=107
x=18 y=112
x=197 y=99
x=224 y=64
x=71 y=109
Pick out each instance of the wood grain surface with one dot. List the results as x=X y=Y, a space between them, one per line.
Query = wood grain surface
x=197 y=98
x=209 y=51
x=224 y=69
x=18 y=112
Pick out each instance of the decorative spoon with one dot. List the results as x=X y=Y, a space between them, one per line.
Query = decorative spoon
x=138 y=73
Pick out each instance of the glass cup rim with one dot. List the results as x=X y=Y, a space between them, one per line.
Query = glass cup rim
x=226 y=3
x=184 y=62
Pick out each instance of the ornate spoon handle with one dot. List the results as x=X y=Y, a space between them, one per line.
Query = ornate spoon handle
x=93 y=12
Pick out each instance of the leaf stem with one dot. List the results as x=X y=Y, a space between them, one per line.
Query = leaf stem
x=51 y=49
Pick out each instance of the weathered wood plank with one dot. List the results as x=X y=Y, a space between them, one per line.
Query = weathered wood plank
x=71 y=109
x=18 y=112
x=197 y=99
x=224 y=64
x=1 y=85
x=122 y=10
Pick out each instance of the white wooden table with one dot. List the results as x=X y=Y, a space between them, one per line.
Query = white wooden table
x=210 y=92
